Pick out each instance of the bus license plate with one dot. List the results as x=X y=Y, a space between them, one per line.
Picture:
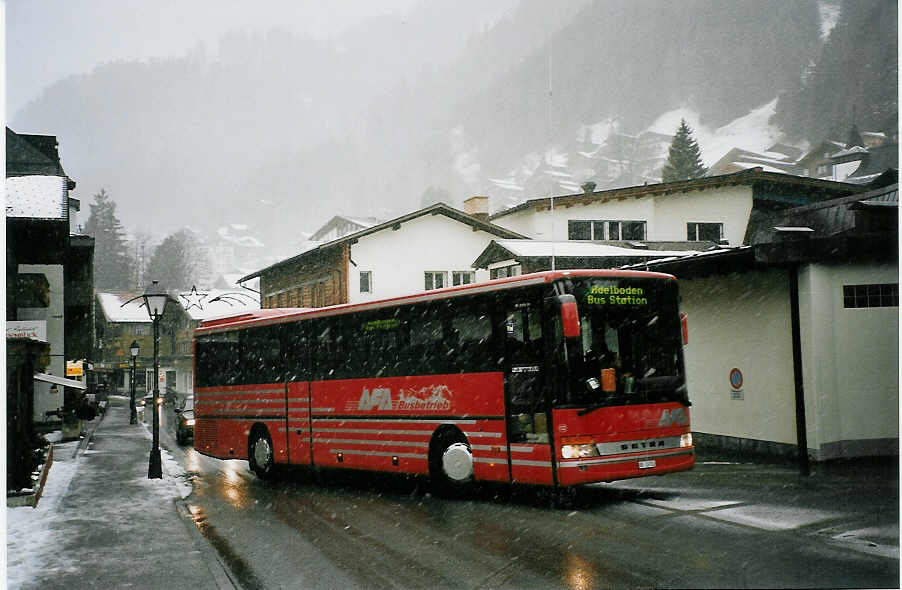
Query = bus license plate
x=647 y=464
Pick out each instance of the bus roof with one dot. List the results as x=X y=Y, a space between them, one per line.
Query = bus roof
x=269 y=316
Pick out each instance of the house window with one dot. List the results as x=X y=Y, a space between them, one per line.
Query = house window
x=436 y=279
x=632 y=230
x=704 y=232
x=881 y=295
x=602 y=229
x=506 y=271
x=366 y=281
x=579 y=230
x=463 y=277
x=823 y=169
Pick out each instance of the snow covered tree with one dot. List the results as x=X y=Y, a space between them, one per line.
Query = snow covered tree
x=112 y=265
x=175 y=261
x=684 y=161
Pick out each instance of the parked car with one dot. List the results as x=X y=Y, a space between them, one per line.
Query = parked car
x=185 y=426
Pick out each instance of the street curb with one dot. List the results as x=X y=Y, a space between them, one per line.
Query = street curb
x=89 y=435
x=218 y=569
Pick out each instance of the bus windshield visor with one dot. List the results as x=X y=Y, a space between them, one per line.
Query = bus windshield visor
x=630 y=347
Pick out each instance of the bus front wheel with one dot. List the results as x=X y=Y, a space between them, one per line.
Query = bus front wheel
x=260 y=454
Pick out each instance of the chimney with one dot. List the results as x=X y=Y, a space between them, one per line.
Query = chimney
x=478 y=207
x=588 y=187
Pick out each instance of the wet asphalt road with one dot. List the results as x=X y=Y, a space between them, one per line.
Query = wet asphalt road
x=722 y=525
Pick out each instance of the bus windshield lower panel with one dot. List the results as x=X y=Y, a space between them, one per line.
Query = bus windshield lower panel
x=630 y=346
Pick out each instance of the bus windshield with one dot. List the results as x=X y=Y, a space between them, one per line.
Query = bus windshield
x=630 y=348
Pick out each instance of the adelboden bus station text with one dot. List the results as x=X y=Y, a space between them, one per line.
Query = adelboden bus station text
x=614 y=295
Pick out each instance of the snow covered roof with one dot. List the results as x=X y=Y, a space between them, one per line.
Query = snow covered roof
x=857 y=149
x=807 y=188
x=115 y=308
x=216 y=303
x=128 y=307
x=37 y=197
x=247 y=241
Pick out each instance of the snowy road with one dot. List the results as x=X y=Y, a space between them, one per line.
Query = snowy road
x=721 y=525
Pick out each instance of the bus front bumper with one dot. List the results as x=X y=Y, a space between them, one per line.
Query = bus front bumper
x=603 y=469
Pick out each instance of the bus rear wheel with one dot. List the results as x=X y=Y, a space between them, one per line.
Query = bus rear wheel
x=450 y=462
x=260 y=454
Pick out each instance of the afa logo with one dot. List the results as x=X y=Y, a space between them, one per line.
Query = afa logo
x=379 y=399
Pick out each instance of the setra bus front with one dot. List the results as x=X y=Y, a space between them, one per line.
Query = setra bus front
x=620 y=406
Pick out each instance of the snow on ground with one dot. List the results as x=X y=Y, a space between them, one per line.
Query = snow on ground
x=35 y=536
x=31 y=537
x=752 y=132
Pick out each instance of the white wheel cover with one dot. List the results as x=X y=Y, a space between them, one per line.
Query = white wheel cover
x=457 y=462
x=262 y=452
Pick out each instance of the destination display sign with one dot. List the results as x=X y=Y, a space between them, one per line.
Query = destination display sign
x=616 y=295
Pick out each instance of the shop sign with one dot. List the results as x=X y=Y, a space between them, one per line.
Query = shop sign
x=75 y=368
x=27 y=330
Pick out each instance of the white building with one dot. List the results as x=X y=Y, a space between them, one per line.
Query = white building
x=427 y=249
x=794 y=340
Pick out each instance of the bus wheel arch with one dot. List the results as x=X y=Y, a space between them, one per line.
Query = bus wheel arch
x=450 y=459
x=260 y=453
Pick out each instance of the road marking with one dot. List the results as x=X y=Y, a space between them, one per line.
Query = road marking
x=690 y=504
x=771 y=518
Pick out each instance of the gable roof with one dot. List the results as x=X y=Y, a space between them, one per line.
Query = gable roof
x=336 y=221
x=436 y=209
x=826 y=218
x=753 y=176
x=28 y=155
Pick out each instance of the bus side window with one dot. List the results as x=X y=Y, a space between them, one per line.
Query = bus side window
x=294 y=343
x=322 y=349
x=427 y=340
x=261 y=355
x=217 y=360
x=473 y=328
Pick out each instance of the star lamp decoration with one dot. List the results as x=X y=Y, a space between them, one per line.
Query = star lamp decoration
x=193 y=298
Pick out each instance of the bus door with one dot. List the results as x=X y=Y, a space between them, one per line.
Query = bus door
x=297 y=380
x=526 y=383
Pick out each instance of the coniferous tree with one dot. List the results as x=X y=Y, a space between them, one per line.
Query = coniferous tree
x=112 y=265
x=684 y=161
x=175 y=261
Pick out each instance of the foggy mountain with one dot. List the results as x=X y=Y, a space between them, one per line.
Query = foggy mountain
x=283 y=132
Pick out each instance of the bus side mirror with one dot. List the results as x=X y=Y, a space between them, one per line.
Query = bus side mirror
x=569 y=316
x=684 y=325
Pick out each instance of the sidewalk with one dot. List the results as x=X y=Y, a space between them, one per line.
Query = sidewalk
x=103 y=524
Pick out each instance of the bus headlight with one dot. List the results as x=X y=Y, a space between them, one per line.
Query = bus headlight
x=189 y=422
x=578 y=451
x=686 y=440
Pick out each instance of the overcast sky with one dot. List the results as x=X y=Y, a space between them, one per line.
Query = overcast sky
x=47 y=40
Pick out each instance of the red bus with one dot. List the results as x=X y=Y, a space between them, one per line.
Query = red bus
x=556 y=378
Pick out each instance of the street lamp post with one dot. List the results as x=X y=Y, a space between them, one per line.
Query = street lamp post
x=155 y=299
x=134 y=349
